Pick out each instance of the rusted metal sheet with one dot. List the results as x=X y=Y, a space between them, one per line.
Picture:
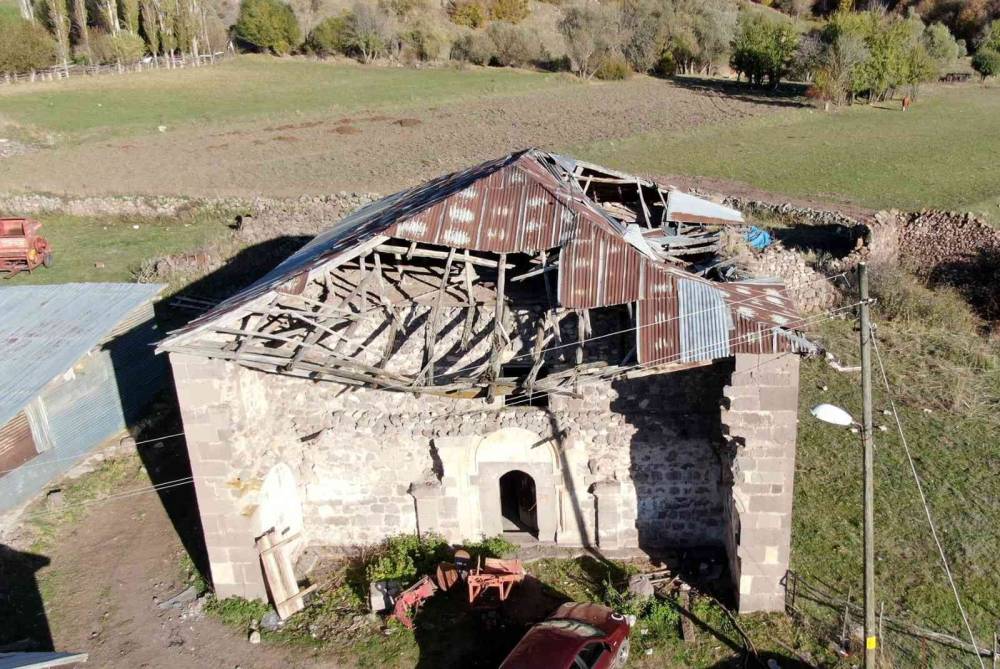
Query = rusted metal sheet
x=17 y=446
x=518 y=208
x=597 y=269
x=690 y=319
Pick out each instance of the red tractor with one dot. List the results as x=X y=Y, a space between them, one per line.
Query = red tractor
x=21 y=247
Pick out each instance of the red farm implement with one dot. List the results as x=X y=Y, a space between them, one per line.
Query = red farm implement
x=21 y=247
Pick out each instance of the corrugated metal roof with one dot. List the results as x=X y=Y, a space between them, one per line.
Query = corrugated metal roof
x=44 y=330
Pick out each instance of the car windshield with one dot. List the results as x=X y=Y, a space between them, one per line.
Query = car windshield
x=576 y=627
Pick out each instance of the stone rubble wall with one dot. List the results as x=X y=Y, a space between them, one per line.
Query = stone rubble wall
x=356 y=453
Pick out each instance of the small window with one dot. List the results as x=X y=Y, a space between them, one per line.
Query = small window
x=590 y=655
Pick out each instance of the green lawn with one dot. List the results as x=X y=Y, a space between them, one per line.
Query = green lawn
x=246 y=88
x=943 y=153
x=82 y=243
x=946 y=380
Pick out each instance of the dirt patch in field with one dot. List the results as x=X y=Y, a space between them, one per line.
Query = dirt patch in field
x=335 y=155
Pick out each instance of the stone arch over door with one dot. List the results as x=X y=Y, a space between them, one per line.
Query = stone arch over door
x=517 y=450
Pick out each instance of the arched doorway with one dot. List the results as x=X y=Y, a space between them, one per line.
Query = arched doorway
x=519 y=503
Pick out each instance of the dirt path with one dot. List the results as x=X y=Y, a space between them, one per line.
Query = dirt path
x=100 y=588
x=370 y=151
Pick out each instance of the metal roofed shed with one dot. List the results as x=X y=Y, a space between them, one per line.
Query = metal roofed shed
x=76 y=366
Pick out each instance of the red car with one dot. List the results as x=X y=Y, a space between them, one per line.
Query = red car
x=576 y=636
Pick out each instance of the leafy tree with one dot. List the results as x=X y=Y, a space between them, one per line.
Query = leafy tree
x=808 y=58
x=642 y=28
x=842 y=58
x=986 y=62
x=589 y=33
x=370 y=31
x=698 y=33
x=421 y=41
x=330 y=36
x=941 y=45
x=269 y=25
x=24 y=45
x=82 y=30
x=763 y=48
x=991 y=37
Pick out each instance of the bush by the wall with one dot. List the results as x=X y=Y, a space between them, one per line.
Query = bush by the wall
x=24 y=45
x=268 y=25
x=330 y=36
x=613 y=67
x=124 y=48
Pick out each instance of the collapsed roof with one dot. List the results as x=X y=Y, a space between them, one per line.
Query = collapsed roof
x=533 y=234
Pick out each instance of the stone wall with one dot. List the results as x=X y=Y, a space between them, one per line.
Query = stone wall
x=634 y=464
x=760 y=424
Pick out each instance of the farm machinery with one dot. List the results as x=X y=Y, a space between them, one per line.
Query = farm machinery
x=21 y=247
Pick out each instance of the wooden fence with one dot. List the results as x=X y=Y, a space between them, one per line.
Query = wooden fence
x=58 y=72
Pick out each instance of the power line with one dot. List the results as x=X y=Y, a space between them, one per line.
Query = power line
x=166 y=485
x=923 y=498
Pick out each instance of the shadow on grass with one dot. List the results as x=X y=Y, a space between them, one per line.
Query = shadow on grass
x=787 y=94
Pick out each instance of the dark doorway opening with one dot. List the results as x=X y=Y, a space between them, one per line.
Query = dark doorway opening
x=518 y=503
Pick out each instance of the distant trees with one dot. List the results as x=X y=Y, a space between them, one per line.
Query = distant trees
x=26 y=45
x=589 y=33
x=763 y=48
x=986 y=60
x=269 y=25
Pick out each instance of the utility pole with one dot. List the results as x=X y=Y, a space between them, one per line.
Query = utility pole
x=871 y=638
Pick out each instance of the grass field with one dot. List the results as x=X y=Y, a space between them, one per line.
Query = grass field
x=113 y=248
x=249 y=87
x=941 y=154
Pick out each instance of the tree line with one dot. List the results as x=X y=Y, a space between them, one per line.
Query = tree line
x=61 y=32
x=845 y=55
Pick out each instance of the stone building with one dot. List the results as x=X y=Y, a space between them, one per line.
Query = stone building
x=528 y=347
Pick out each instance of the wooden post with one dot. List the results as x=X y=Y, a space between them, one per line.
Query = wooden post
x=494 y=370
x=871 y=636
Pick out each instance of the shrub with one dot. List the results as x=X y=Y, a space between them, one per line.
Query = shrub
x=475 y=48
x=422 y=42
x=125 y=48
x=470 y=13
x=513 y=46
x=330 y=36
x=665 y=65
x=511 y=11
x=613 y=67
x=405 y=557
x=268 y=25
x=24 y=45
x=986 y=62
x=493 y=547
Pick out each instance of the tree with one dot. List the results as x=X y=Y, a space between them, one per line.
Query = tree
x=59 y=22
x=642 y=32
x=763 y=48
x=589 y=33
x=24 y=45
x=82 y=30
x=986 y=62
x=511 y=11
x=513 y=46
x=941 y=45
x=698 y=33
x=269 y=25
x=330 y=36
x=835 y=79
x=124 y=48
x=370 y=31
